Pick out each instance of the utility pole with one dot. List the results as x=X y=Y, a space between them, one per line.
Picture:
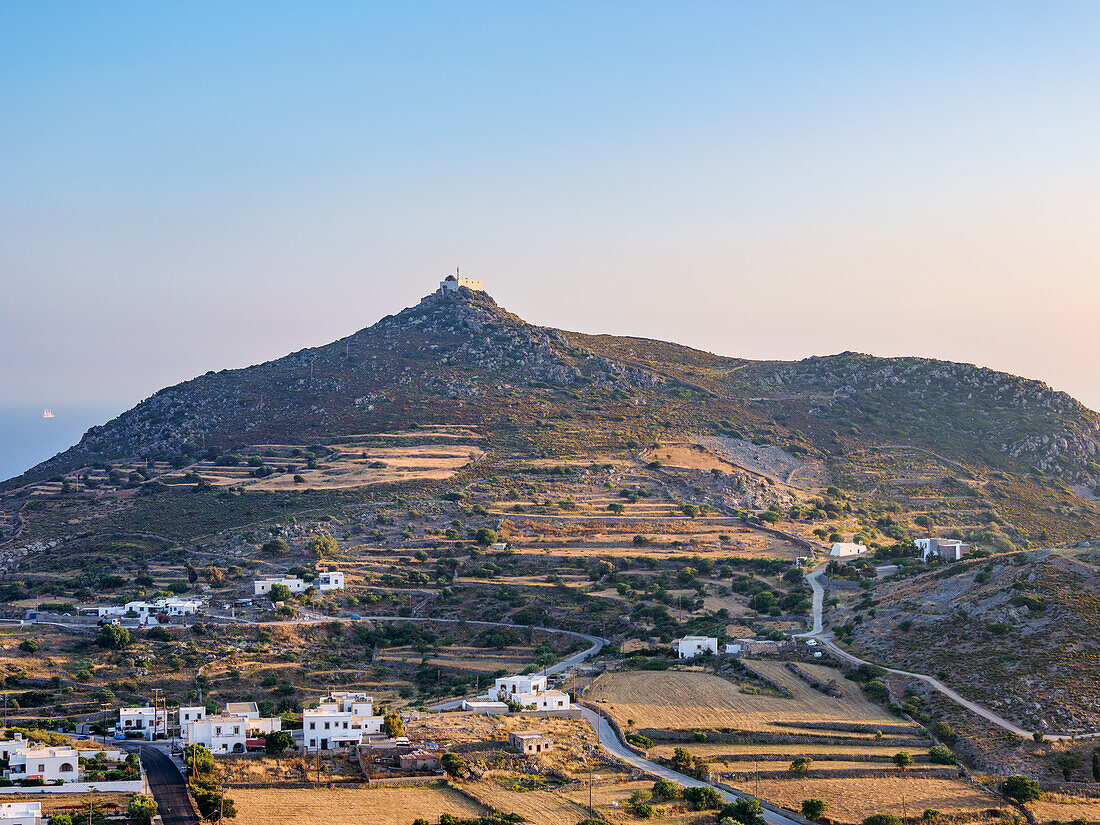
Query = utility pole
x=103 y=728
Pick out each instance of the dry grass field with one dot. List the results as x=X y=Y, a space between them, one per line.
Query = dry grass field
x=72 y=803
x=718 y=749
x=605 y=795
x=1056 y=807
x=543 y=807
x=853 y=800
x=693 y=700
x=345 y=806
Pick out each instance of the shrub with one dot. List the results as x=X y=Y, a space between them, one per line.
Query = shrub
x=278 y=742
x=639 y=741
x=1021 y=789
x=666 y=789
x=704 y=798
x=882 y=819
x=800 y=765
x=113 y=637
x=903 y=760
x=814 y=808
x=141 y=808
x=275 y=547
x=940 y=755
x=452 y=763
x=745 y=811
x=30 y=645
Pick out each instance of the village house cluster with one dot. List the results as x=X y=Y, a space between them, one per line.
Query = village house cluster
x=57 y=768
x=340 y=720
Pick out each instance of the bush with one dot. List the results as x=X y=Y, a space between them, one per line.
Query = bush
x=1021 y=789
x=666 y=789
x=882 y=819
x=276 y=547
x=142 y=808
x=800 y=765
x=278 y=742
x=814 y=808
x=452 y=763
x=940 y=755
x=639 y=741
x=702 y=799
x=745 y=811
x=113 y=637
x=30 y=645
x=322 y=545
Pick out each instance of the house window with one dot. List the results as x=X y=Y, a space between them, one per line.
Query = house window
x=326 y=725
x=236 y=730
x=65 y=767
x=41 y=768
x=313 y=743
x=313 y=726
x=217 y=731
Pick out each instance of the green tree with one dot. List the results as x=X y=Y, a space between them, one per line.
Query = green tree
x=392 y=726
x=940 y=755
x=666 y=789
x=322 y=545
x=930 y=815
x=142 y=808
x=278 y=742
x=616 y=507
x=214 y=576
x=1021 y=789
x=485 y=536
x=745 y=811
x=113 y=637
x=60 y=819
x=30 y=645
x=800 y=765
x=814 y=808
x=452 y=763
x=280 y=593
x=882 y=819
x=1067 y=763
x=903 y=760
x=681 y=761
x=276 y=547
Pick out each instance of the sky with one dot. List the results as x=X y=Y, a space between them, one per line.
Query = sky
x=194 y=186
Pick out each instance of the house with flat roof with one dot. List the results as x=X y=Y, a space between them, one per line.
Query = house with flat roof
x=21 y=813
x=530 y=742
x=691 y=646
x=340 y=720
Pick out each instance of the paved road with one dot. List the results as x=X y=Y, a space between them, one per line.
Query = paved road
x=611 y=743
x=818 y=632
x=168 y=786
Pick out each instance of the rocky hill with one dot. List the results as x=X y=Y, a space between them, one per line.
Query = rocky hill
x=458 y=358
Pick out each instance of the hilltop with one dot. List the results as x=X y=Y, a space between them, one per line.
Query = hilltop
x=966 y=445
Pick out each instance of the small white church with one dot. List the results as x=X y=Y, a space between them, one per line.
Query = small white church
x=452 y=282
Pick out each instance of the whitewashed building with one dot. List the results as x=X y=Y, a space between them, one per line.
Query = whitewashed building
x=263 y=586
x=691 y=646
x=946 y=549
x=21 y=813
x=329 y=580
x=452 y=283
x=149 y=722
x=340 y=720
x=847 y=549
x=49 y=764
x=528 y=691
x=145 y=610
x=228 y=731
x=190 y=713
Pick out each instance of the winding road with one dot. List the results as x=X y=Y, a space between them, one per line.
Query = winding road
x=818 y=632
x=610 y=742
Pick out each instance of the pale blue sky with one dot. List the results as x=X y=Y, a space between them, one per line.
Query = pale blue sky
x=191 y=186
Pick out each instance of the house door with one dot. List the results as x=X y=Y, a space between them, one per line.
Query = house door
x=324 y=744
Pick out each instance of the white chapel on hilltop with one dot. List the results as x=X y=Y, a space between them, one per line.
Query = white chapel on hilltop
x=452 y=282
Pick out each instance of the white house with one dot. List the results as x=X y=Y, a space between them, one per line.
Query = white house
x=263 y=586
x=228 y=731
x=847 y=549
x=150 y=722
x=452 y=282
x=188 y=714
x=529 y=691
x=691 y=646
x=947 y=549
x=733 y=648
x=499 y=546
x=47 y=763
x=330 y=580
x=143 y=610
x=21 y=813
x=339 y=721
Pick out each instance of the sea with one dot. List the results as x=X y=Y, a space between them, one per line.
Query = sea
x=26 y=438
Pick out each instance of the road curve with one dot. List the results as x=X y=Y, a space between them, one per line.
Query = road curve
x=609 y=741
x=818 y=632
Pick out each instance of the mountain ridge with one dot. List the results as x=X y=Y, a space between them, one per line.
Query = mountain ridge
x=458 y=356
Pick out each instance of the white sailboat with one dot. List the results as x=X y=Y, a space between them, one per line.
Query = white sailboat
x=47 y=413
